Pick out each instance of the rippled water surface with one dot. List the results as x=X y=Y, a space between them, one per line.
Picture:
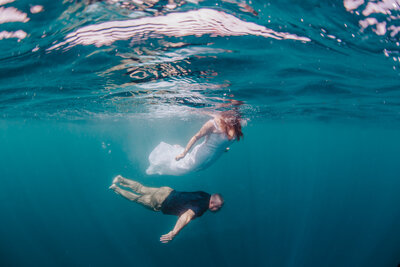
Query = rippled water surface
x=89 y=88
x=289 y=59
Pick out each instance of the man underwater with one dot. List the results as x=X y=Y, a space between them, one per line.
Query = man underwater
x=186 y=205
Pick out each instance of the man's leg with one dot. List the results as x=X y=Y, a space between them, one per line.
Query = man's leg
x=152 y=197
x=135 y=186
x=126 y=194
x=145 y=200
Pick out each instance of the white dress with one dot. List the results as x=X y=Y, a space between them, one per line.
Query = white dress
x=162 y=158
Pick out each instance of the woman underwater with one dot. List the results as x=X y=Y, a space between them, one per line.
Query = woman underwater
x=219 y=133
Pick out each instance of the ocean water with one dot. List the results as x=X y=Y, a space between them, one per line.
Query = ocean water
x=89 y=88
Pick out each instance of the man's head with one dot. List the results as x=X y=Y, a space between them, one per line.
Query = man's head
x=216 y=202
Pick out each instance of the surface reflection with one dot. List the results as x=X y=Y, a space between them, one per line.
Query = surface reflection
x=196 y=23
x=20 y=34
x=382 y=18
x=372 y=12
x=169 y=60
x=157 y=7
x=11 y=14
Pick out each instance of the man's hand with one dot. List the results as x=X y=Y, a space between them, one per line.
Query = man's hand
x=180 y=156
x=167 y=237
x=183 y=220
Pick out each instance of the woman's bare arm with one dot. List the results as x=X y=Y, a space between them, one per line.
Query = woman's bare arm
x=207 y=128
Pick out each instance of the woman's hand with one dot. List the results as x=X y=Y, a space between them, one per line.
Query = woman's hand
x=180 y=156
x=167 y=237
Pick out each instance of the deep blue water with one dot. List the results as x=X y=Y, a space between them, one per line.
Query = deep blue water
x=88 y=89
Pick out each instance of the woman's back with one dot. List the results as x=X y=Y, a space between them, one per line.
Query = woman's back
x=211 y=148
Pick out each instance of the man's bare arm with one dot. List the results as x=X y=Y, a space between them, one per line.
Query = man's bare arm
x=183 y=220
x=206 y=129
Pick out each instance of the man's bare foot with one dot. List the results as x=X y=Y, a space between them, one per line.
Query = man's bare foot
x=117 y=179
x=113 y=187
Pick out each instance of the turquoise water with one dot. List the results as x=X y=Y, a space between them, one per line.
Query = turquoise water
x=314 y=182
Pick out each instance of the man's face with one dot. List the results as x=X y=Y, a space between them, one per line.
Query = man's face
x=214 y=205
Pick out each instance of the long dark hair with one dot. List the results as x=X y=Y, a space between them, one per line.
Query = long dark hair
x=230 y=119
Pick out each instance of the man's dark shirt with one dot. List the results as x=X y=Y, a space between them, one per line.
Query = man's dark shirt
x=179 y=202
